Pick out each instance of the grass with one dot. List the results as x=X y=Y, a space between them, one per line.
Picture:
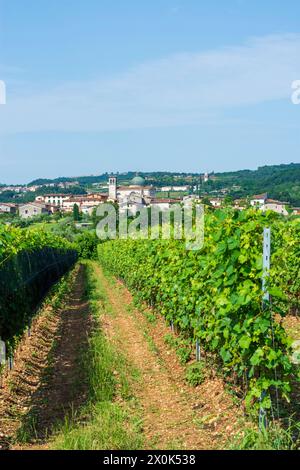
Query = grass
x=111 y=418
x=273 y=438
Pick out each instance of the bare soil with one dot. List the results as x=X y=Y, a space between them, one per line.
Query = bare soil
x=46 y=383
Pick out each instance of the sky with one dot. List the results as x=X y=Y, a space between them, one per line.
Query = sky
x=97 y=86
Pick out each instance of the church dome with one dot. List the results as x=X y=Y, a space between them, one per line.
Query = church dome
x=138 y=181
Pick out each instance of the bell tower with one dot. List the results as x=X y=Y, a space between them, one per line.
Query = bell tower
x=112 y=188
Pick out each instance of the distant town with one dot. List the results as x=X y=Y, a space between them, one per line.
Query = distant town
x=135 y=190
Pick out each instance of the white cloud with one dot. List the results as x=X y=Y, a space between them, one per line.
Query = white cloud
x=178 y=90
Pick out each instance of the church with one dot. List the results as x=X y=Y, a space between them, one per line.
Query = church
x=132 y=197
x=136 y=192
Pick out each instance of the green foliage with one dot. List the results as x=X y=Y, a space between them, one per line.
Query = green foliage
x=182 y=346
x=13 y=240
x=279 y=181
x=215 y=294
x=76 y=213
x=273 y=438
x=30 y=263
x=195 y=374
x=86 y=244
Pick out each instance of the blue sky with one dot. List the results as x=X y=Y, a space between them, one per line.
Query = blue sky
x=114 y=85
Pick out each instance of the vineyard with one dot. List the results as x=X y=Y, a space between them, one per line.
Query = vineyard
x=30 y=263
x=214 y=296
x=109 y=307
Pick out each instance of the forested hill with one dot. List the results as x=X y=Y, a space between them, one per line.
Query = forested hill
x=279 y=181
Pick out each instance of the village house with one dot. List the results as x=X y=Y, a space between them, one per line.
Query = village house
x=16 y=189
x=240 y=204
x=216 y=201
x=68 y=184
x=164 y=203
x=133 y=203
x=32 y=189
x=259 y=200
x=175 y=188
x=262 y=202
x=6 y=208
x=33 y=209
x=276 y=206
x=86 y=204
x=55 y=199
x=101 y=197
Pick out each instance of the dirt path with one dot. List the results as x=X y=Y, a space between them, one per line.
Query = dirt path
x=175 y=415
x=46 y=383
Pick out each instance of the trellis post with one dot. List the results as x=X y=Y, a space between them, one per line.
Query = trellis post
x=265 y=302
x=2 y=358
x=198 y=350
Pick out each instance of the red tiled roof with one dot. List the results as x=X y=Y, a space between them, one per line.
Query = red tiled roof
x=36 y=204
x=260 y=196
x=164 y=200
x=274 y=201
x=57 y=195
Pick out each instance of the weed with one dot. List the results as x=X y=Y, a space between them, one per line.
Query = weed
x=195 y=373
x=273 y=438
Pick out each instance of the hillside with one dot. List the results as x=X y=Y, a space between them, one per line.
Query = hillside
x=279 y=181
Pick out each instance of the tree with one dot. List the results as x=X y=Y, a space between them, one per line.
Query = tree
x=76 y=213
x=228 y=201
x=206 y=201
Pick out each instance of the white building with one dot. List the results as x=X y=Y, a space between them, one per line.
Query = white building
x=206 y=178
x=216 y=201
x=136 y=188
x=7 y=208
x=166 y=189
x=259 y=200
x=164 y=203
x=54 y=199
x=86 y=204
x=276 y=206
x=262 y=202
